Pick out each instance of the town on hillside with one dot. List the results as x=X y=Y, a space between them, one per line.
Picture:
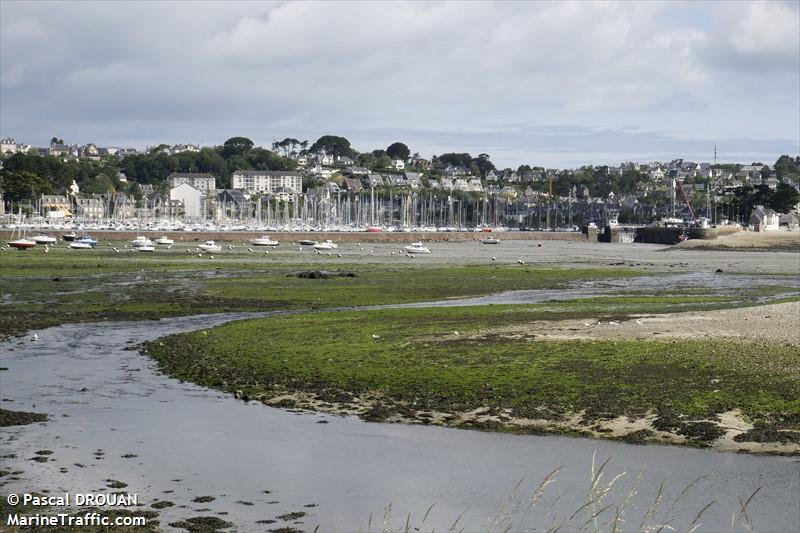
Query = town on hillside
x=328 y=185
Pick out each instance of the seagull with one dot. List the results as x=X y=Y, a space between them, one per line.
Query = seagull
x=211 y=256
x=340 y=255
x=266 y=253
x=520 y=261
x=250 y=250
x=494 y=258
x=35 y=337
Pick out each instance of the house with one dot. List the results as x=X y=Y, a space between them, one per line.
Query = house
x=493 y=189
x=764 y=219
x=375 y=180
x=200 y=181
x=420 y=163
x=56 y=206
x=461 y=184
x=475 y=185
x=509 y=191
x=491 y=176
x=434 y=184
x=124 y=206
x=192 y=200
x=352 y=184
x=332 y=187
x=325 y=159
x=396 y=180
x=357 y=171
x=790 y=220
x=414 y=179
x=91 y=152
x=513 y=177
x=146 y=188
x=344 y=161
x=232 y=203
x=8 y=146
x=267 y=181
x=446 y=184
x=90 y=207
x=398 y=164
x=451 y=171
x=179 y=148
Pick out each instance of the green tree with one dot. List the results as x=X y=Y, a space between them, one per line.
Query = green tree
x=483 y=164
x=99 y=184
x=56 y=140
x=784 y=198
x=398 y=150
x=785 y=166
x=23 y=185
x=236 y=146
x=458 y=160
x=332 y=144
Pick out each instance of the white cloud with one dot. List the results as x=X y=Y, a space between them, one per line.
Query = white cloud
x=308 y=68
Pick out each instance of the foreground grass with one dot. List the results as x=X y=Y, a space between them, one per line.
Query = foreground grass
x=444 y=360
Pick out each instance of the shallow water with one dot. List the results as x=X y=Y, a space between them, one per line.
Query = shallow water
x=216 y=445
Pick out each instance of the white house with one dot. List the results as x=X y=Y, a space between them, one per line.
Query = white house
x=764 y=219
x=200 y=181
x=398 y=164
x=191 y=198
x=267 y=181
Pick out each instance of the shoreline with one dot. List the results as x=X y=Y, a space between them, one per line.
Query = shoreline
x=726 y=430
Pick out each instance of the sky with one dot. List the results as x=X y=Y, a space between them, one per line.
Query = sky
x=551 y=84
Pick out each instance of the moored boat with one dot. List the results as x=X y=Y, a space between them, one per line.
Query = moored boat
x=165 y=241
x=141 y=241
x=417 y=248
x=69 y=237
x=307 y=242
x=79 y=245
x=263 y=241
x=22 y=243
x=490 y=240
x=146 y=248
x=86 y=239
x=326 y=245
x=210 y=246
x=43 y=238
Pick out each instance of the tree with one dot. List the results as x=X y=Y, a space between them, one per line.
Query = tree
x=785 y=166
x=398 y=150
x=56 y=140
x=332 y=144
x=23 y=185
x=784 y=198
x=457 y=160
x=236 y=146
x=483 y=164
x=99 y=184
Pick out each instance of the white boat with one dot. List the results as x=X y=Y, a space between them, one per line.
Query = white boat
x=44 y=239
x=326 y=245
x=22 y=244
x=165 y=241
x=490 y=240
x=210 y=246
x=146 y=248
x=263 y=241
x=140 y=241
x=417 y=248
x=80 y=245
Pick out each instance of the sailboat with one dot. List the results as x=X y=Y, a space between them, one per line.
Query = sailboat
x=22 y=242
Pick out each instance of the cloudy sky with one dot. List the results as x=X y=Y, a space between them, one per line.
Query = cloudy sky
x=553 y=84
